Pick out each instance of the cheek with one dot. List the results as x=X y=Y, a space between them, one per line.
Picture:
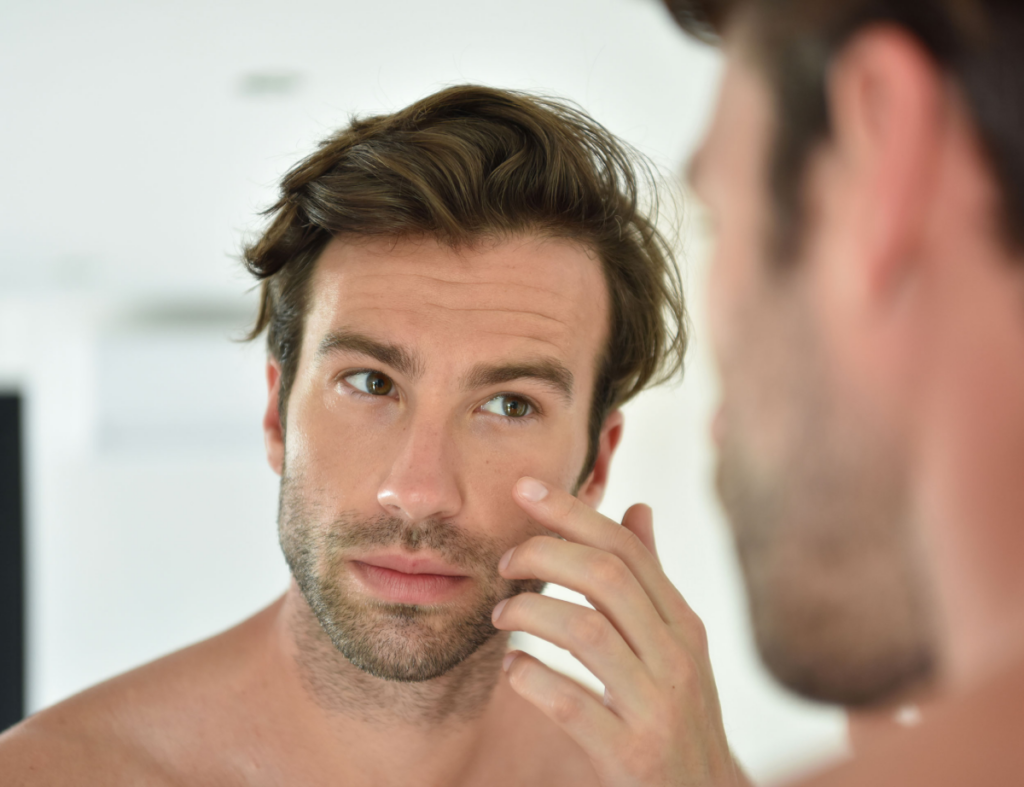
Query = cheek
x=491 y=467
x=487 y=482
x=340 y=459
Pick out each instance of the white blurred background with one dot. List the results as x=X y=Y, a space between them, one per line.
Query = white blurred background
x=139 y=140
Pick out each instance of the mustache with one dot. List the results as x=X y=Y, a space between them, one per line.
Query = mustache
x=451 y=542
x=349 y=530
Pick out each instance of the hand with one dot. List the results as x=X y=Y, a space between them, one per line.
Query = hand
x=660 y=722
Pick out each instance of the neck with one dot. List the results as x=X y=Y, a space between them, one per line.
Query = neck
x=346 y=692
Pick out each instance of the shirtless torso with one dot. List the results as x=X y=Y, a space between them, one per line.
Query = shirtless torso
x=241 y=708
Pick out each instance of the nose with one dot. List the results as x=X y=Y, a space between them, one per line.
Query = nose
x=422 y=482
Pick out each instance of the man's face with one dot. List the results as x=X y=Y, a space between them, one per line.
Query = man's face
x=814 y=485
x=429 y=381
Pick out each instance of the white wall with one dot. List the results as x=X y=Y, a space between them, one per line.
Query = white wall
x=139 y=140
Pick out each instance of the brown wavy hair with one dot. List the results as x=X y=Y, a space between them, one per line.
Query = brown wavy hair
x=470 y=163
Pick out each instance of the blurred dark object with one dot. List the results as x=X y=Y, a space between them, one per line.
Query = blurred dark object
x=12 y=564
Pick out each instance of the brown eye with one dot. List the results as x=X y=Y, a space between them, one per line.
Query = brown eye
x=515 y=408
x=373 y=383
x=378 y=384
x=509 y=406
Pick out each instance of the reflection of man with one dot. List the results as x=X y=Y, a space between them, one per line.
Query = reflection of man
x=864 y=175
x=456 y=295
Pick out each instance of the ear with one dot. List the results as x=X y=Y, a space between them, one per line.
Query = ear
x=886 y=98
x=273 y=434
x=591 y=491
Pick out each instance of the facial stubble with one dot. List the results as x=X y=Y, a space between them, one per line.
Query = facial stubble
x=394 y=642
x=823 y=526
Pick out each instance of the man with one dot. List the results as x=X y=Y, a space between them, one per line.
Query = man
x=456 y=296
x=865 y=176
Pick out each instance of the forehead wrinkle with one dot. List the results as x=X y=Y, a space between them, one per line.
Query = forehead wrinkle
x=556 y=293
x=416 y=309
x=523 y=312
x=538 y=339
x=478 y=282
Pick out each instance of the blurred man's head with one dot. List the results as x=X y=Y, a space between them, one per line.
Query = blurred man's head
x=456 y=295
x=853 y=140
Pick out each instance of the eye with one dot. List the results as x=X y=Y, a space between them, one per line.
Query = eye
x=509 y=405
x=373 y=383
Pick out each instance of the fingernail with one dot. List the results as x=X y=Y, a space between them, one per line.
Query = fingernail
x=497 y=610
x=511 y=656
x=505 y=559
x=531 y=489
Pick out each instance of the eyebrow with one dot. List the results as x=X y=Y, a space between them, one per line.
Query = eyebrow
x=394 y=355
x=546 y=370
x=549 y=371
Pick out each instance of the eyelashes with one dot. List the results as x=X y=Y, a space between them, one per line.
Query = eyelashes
x=507 y=406
x=370 y=382
x=510 y=406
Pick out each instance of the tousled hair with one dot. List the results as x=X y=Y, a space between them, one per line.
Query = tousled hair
x=471 y=163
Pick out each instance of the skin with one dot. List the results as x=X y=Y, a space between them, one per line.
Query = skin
x=810 y=472
x=659 y=722
x=271 y=701
x=902 y=316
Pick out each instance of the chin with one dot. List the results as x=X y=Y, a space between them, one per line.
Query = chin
x=827 y=654
x=406 y=643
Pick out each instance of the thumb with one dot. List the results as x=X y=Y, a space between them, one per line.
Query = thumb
x=639 y=519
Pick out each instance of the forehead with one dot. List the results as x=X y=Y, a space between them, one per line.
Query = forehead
x=525 y=295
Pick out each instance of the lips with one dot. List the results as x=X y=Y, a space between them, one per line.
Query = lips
x=408 y=579
x=412 y=564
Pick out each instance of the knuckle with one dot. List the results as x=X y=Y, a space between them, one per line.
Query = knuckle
x=608 y=571
x=626 y=542
x=565 y=708
x=572 y=508
x=687 y=680
x=588 y=629
x=697 y=633
x=640 y=757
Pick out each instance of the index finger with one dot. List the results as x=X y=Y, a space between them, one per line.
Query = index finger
x=574 y=520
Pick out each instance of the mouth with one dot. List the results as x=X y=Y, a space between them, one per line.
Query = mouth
x=409 y=579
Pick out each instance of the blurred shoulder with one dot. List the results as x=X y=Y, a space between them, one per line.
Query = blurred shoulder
x=972 y=738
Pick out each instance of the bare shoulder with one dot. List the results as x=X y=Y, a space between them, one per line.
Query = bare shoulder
x=58 y=747
x=139 y=728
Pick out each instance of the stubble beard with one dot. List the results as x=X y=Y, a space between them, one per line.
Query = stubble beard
x=834 y=578
x=394 y=642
